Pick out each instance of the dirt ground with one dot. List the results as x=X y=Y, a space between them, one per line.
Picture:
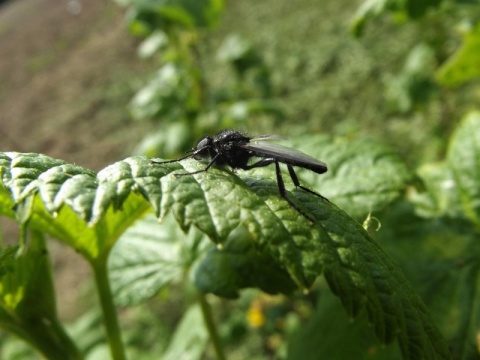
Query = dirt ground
x=67 y=72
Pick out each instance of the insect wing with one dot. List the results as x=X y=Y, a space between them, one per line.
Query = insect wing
x=285 y=155
x=267 y=137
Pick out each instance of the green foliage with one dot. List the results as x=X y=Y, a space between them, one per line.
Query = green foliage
x=180 y=93
x=371 y=9
x=222 y=232
x=27 y=301
x=455 y=69
x=265 y=242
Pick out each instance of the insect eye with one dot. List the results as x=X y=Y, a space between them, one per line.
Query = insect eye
x=203 y=143
x=203 y=147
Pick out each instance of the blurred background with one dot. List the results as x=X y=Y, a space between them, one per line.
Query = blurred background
x=92 y=82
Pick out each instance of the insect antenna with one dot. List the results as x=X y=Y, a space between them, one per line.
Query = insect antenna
x=153 y=162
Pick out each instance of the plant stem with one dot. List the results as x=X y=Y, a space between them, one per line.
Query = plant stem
x=211 y=327
x=108 y=308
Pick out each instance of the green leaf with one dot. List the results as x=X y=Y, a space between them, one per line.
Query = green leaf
x=168 y=90
x=363 y=176
x=27 y=301
x=451 y=186
x=440 y=196
x=440 y=257
x=147 y=16
x=355 y=267
x=369 y=9
x=76 y=206
x=418 y=8
x=190 y=338
x=413 y=86
x=147 y=257
x=464 y=65
x=220 y=204
x=319 y=337
x=237 y=265
x=463 y=159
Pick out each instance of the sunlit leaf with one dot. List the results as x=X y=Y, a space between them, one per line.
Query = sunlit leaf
x=27 y=300
x=147 y=257
x=464 y=160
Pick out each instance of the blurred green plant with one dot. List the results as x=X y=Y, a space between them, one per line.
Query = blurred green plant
x=446 y=54
x=181 y=94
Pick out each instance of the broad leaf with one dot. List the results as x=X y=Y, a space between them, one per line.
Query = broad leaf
x=148 y=256
x=73 y=204
x=452 y=185
x=440 y=256
x=319 y=337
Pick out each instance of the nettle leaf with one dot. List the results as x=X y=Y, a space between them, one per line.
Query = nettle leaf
x=319 y=337
x=440 y=257
x=75 y=205
x=356 y=269
x=148 y=256
x=362 y=177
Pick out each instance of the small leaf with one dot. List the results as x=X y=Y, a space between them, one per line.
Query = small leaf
x=464 y=65
x=464 y=160
x=368 y=10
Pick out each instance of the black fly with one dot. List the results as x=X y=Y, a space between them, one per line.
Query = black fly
x=235 y=149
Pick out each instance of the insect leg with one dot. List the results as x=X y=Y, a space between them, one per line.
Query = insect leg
x=261 y=163
x=296 y=182
x=281 y=189
x=200 y=171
